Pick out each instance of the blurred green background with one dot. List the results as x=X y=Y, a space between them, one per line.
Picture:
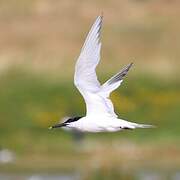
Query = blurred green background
x=40 y=41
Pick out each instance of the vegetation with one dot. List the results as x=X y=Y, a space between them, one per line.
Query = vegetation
x=30 y=104
x=40 y=42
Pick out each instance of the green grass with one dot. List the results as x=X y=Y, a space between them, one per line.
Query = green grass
x=29 y=104
x=43 y=37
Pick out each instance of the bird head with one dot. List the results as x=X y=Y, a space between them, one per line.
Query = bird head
x=59 y=125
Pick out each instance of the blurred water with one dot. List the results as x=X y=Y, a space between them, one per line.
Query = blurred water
x=37 y=177
x=140 y=175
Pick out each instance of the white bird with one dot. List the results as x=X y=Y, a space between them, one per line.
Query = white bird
x=100 y=115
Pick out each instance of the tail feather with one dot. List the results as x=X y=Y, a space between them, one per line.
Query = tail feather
x=143 y=126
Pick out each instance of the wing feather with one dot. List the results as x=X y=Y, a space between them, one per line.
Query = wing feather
x=85 y=70
x=85 y=79
x=112 y=84
x=115 y=81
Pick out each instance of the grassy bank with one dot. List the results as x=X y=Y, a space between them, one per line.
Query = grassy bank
x=29 y=104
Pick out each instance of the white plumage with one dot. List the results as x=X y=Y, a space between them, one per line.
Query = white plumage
x=100 y=115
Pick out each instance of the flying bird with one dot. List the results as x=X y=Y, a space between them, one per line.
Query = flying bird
x=100 y=115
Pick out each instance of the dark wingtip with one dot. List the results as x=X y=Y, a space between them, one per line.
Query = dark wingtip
x=130 y=64
x=102 y=14
x=126 y=68
x=119 y=76
x=100 y=25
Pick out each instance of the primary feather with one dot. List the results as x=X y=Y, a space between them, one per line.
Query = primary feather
x=85 y=70
x=85 y=79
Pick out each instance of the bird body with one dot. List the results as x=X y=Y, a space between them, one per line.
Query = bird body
x=103 y=123
x=100 y=115
x=97 y=124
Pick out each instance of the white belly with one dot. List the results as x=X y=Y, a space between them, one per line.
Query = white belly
x=97 y=124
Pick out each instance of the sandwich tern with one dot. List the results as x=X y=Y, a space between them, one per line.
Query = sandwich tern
x=100 y=115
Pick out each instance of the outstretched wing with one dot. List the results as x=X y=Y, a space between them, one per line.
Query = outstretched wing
x=115 y=81
x=85 y=77
x=96 y=96
x=112 y=84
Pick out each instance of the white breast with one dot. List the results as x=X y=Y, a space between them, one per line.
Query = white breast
x=97 y=124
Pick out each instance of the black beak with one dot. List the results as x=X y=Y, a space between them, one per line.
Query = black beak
x=58 y=125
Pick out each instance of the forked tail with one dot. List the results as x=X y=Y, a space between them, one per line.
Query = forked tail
x=143 y=125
